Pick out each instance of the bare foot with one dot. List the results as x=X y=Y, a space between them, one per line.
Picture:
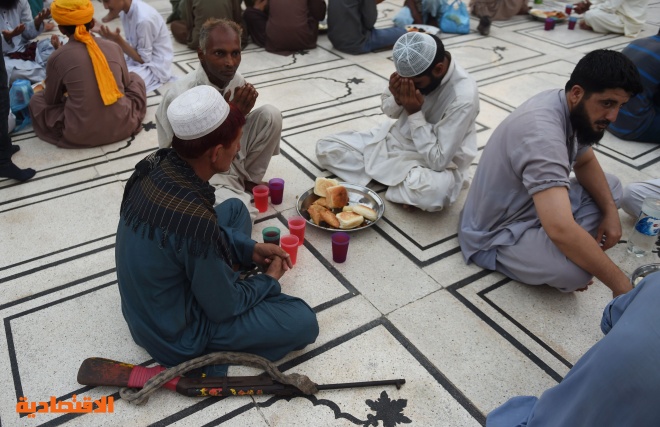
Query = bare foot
x=591 y=282
x=584 y=26
x=110 y=16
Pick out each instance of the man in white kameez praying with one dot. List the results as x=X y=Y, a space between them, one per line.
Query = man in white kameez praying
x=625 y=17
x=424 y=156
x=147 y=46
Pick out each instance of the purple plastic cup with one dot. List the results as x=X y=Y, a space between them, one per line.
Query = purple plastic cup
x=571 y=22
x=549 y=24
x=340 y=246
x=276 y=186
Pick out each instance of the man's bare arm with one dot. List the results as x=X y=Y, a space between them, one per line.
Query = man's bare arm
x=554 y=209
x=591 y=176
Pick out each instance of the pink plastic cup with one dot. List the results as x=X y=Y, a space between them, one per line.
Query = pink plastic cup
x=297 y=228
x=340 y=246
x=276 y=186
x=290 y=244
x=260 y=193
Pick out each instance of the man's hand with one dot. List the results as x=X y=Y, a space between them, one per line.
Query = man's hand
x=410 y=97
x=8 y=35
x=609 y=231
x=581 y=7
x=277 y=260
x=395 y=86
x=107 y=33
x=39 y=19
x=244 y=98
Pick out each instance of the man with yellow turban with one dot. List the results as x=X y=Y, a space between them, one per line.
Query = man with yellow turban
x=90 y=98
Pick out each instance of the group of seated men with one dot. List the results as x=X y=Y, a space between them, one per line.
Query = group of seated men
x=524 y=216
x=181 y=259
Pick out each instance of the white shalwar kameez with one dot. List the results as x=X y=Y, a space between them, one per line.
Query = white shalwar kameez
x=617 y=16
x=424 y=157
x=145 y=30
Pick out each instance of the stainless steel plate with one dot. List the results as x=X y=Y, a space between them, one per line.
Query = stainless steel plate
x=357 y=195
x=642 y=272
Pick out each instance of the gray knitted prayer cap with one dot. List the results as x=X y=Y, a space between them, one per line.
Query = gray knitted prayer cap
x=413 y=53
x=197 y=112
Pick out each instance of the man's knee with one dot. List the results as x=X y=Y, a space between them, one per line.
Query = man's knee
x=308 y=327
x=570 y=278
x=615 y=187
x=267 y=115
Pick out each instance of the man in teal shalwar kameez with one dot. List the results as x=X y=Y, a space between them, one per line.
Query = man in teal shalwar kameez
x=178 y=257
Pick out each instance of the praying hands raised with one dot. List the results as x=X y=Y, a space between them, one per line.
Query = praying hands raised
x=244 y=98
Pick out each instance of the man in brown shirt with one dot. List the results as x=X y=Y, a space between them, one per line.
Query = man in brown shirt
x=285 y=26
x=73 y=111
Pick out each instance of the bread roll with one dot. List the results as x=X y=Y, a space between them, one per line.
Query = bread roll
x=336 y=196
x=366 y=212
x=329 y=218
x=348 y=220
x=347 y=208
x=321 y=202
x=314 y=212
x=322 y=183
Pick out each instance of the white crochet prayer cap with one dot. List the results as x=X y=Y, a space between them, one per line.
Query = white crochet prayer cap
x=197 y=112
x=413 y=53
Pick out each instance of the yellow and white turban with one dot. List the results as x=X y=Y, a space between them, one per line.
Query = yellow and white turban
x=79 y=13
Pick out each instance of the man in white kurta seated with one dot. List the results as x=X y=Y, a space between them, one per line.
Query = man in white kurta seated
x=613 y=16
x=219 y=56
x=424 y=156
x=147 y=46
x=25 y=58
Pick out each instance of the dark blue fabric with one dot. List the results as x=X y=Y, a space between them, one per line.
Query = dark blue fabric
x=640 y=113
x=5 y=140
x=614 y=384
x=177 y=304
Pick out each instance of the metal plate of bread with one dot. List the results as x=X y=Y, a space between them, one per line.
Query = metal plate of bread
x=357 y=195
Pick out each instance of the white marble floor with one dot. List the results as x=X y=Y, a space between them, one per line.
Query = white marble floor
x=404 y=305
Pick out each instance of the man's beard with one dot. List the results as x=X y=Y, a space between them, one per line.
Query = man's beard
x=586 y=135
x=435 y=82
x=8 y=4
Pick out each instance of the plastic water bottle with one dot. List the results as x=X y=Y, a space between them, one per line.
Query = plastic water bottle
x=645 y=232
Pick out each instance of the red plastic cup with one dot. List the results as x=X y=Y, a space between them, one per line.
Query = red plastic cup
x=276 y=187
x=260 y=193
x=290 y=244
x=569 y=9
x=340 y=246
x=297 y=228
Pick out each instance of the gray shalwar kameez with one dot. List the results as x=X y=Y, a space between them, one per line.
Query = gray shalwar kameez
x=532 y=150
